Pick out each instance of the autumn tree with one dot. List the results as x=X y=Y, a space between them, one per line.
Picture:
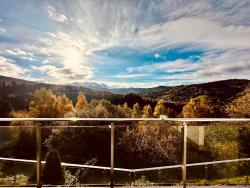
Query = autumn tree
x=199 y=107
x=136 y=112
x=62 y=106
x=240 y=107
x=170 y=113
x=147 y=111
x=126 y=111
x=155 y=144
x=160 y=108
x=82 y=103
x=42 y=103
x=46 y=104
x=101 y=111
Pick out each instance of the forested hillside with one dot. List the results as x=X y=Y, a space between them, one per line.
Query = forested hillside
x=145 y=144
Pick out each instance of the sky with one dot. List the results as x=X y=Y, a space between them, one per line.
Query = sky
x=125 y=43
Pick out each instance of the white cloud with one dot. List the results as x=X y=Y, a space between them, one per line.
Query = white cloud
x=232 y=64
x=55 y=15
x=21 y=54
x=131 y=75
x=62 y=75
x=221 y=29
x=8 y=68
x=200 y=32
x=2 y=29
x=66 y=58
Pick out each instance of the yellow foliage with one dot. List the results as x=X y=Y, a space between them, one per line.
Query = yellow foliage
x=82 y=103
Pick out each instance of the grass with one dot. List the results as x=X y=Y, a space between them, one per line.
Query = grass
x=240 y=180
x=19 y=179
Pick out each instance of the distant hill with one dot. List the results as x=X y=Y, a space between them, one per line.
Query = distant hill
x=223 y=90
x=19 y=92
x=9 y=81
x=104 y=87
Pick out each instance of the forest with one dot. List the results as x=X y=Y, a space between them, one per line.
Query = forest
x=137 y=145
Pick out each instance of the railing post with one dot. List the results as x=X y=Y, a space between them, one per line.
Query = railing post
x=206 y=174
x=184 y=155
x=132 y=178
x=112 y=155
x=15 y=173
x=38 y=155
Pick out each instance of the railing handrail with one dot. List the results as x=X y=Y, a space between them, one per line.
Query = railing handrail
x=112 y=125
x=162 y=117
x=130 y=170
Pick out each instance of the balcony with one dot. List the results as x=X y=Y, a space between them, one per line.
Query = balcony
x=126 y=152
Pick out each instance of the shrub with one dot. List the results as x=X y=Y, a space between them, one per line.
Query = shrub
x=53 y=172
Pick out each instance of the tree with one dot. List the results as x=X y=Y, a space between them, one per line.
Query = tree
x=136 y=112
x=82 y=103
x=222 y=144
x=171 y=113
x=13 y=84
x=3 y=84
x=160 y=108
x=126 y=110
x=240 y=107
x=155 y=144
x=147 y=111
x=53 y=172
x=62 y=106
x=101 y=111
x=5 y=108
x=42 y=103
x=46 y=104
x=199 y=107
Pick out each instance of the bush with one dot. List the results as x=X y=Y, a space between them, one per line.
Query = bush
x=53 y=172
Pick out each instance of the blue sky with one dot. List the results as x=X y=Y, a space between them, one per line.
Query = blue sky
x=125 y=43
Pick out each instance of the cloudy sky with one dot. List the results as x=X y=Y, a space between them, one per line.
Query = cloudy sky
x=125 y=43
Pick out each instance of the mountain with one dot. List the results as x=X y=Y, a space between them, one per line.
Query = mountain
x=9 y=81
x=223 y=90
x=19 y=92
x=104 y=87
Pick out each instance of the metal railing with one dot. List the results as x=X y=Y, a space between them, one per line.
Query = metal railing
x=112 y=126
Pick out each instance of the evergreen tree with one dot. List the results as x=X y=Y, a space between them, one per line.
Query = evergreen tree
x=13 y=84
x=53 y=173
x=5 y=108
x=3 y=84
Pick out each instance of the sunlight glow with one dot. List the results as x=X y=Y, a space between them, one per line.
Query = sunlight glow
x=72 y=56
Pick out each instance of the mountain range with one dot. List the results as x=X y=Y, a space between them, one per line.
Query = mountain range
x=225 y=90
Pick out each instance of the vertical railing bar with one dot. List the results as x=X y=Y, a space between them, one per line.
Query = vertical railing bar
x=206 y=174
x=184 y=155
x=38 y=155
x=112 y=155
